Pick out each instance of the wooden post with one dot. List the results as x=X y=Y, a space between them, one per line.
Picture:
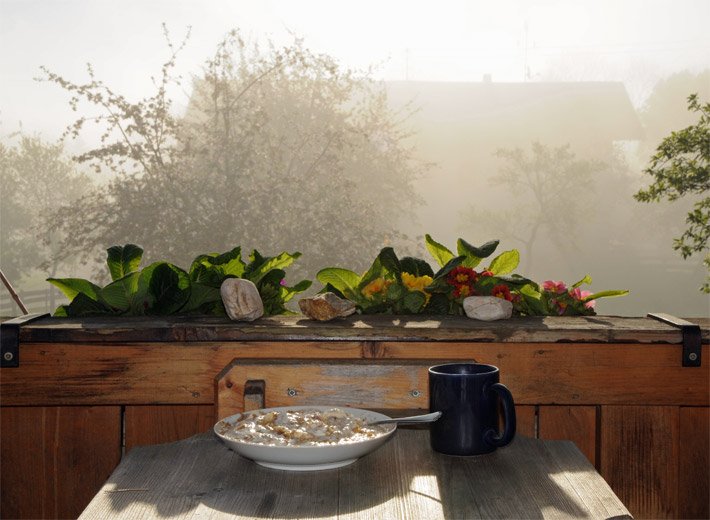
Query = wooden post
x=12 y=292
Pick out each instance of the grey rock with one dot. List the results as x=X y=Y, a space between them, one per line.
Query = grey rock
x=487 y=308
x=326 y=306
x=241 y=299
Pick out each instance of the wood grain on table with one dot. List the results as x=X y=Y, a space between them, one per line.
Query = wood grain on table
x=201 y=478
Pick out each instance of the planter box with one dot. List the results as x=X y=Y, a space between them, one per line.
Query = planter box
x=87 y=390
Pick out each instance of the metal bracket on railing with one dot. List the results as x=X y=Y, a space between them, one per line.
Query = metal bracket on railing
x=10 y=339
x=692 y=338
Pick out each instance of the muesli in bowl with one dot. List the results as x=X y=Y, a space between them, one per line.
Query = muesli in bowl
x=303 y=438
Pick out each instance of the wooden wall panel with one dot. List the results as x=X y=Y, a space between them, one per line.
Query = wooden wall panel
x=145 y=425
x=573 y=423
x=639 y=457
x=182 y=373
x=54 y=460
x=525 y=420
x=694 y=465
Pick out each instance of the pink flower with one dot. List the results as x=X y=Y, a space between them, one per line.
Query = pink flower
x=578 y=294
x=283 y=282
x=554 y=287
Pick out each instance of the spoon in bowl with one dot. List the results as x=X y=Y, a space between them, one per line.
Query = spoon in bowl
x=413 y=419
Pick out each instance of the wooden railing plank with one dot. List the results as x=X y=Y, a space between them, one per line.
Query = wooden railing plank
x=693 y=473
x=573 y=423
x=55 y=459
x=182 y=373
x=639 y=457
x=147 y=425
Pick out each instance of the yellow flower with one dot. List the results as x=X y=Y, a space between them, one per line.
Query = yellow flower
x=417 y=283
x=377 y=285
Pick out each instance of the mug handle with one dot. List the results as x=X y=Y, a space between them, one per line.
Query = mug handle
x=506 y=437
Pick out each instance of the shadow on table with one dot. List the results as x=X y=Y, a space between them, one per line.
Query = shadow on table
x=400 y=480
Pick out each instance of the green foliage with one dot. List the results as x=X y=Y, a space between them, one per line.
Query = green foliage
x=410 y=286
x=164 y=289
x=681 y=167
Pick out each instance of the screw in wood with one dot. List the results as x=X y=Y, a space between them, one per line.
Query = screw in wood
x=292 y=392
x=415 y=393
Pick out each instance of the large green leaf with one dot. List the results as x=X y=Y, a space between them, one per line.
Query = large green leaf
x=390 y=262
x=202 y=298
x=415 y=266
x=120 y=294
x=211 y=269
x=533 y=299
x=474 y=254
x=267 y=264
x=413 y=301
x=373 y=273
x=505 y=262
x=71 y=287
x=605 y=294
x=287 y=293
x=82 y=306
x=123 y=260
x=343 y=280
x=450 y=266
x=440 y=253
x=163 y=288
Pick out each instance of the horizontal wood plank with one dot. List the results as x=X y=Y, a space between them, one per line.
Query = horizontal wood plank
x=595 y=329
x=183 y=373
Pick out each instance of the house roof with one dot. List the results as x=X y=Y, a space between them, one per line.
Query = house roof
x=549 y=112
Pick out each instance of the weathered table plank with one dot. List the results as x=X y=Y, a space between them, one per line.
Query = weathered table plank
x=201 y=478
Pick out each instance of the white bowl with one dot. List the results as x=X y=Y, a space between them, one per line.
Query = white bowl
x=306 y=458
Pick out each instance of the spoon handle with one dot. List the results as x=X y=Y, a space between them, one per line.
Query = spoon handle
x=414 y=419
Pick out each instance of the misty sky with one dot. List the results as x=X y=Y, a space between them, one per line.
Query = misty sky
x=637 y=42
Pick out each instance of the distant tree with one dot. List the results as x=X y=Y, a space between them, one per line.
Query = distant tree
x=279 y=149
x=546 y=191
x=681 y=167
x=37 y=179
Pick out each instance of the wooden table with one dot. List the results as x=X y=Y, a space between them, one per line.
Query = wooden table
x=201 y=478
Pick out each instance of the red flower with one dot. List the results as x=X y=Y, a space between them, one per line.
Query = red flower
x=462 y=291
x=502 y=291
x=486 y=273
x=462 y=276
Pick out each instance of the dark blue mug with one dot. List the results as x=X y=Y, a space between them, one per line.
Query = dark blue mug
x=467 y=395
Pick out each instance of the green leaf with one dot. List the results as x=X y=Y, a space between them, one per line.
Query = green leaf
x=533 y=300
x=123 y=260
x=343 y=280
x=287 y=293
x=211 y=269
x=587 y=279
x=517 y=280
x=440 y=253
x=395 y=292
x=202 y=298
x=438 y=304
x=120 y=294
x=163 y=288
x=450 y=266
x=61 y=311
x=82 y=306
x=605 y=294
x=484 y=251
x=71 y=287
x=416 y=266
x=505 y=262
x=413 y=301
x=390 y=262
x=267 y=264
x=373 y=273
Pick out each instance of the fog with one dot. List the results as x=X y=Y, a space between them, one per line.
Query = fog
x=587 y=89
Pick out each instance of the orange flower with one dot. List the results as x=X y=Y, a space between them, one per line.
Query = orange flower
x=376 y=286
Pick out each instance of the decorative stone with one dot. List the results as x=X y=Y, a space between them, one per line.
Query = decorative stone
x=241 y=299
x=487 y=308
x=326 y=306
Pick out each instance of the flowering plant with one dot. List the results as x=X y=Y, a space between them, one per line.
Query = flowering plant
x=410 y=285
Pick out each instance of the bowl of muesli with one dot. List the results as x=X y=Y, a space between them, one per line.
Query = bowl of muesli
x=304 y=438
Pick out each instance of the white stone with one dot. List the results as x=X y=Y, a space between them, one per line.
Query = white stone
x=241 y=299
x=487 y=308
x=326 y=306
